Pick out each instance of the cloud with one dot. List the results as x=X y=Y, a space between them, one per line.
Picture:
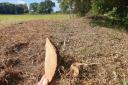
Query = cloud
x=21 y=2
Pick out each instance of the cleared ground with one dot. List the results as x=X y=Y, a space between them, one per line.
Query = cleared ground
x=22 y=52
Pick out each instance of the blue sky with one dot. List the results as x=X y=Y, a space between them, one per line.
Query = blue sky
x=30 y=1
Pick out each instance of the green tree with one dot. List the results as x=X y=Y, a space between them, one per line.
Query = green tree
x=113 y=8
x=21 y=8
x=46 y=7
x=75 y=6
x=9 y=8
x=33 y=7
x=49 y=6
x=41 y=7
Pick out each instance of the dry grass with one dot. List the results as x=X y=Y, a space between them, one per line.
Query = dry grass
x=76 y=41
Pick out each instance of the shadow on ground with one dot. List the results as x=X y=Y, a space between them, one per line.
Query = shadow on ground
x=109 y=23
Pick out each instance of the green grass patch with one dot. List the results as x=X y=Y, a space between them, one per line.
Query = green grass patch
x=125 y=82
x=7 y=19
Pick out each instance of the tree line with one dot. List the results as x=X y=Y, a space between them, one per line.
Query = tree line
x=9 y=8
x=112 y=9
x=44 y=7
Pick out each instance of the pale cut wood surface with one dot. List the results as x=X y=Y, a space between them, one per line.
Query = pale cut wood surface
x=50 y=60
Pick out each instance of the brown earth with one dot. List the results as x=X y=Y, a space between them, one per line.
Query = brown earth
x=22 y=53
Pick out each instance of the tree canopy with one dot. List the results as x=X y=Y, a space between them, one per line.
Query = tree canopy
x=111 y=8
x=34 y=7
x=9 y=8
x=44 y=7
x=75 y=6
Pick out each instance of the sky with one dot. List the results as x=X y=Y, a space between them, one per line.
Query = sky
x=30 y=1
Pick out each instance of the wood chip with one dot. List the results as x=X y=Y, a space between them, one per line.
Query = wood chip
x=50 y=60
x=75 y=68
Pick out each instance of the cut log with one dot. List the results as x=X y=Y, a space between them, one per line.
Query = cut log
x=50 y=60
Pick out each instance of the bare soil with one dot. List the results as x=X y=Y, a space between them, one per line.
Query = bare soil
x=22 y=52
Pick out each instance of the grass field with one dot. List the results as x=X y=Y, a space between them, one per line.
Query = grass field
x=9 y=19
